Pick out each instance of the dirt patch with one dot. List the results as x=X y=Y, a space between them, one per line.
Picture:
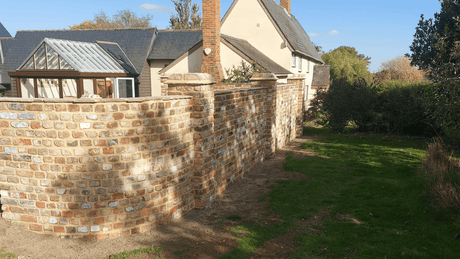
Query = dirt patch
x=199 y=234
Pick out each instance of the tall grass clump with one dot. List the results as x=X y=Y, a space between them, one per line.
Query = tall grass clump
x=441 y=173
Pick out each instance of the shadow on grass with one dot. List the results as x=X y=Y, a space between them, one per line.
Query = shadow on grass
x=374 y=180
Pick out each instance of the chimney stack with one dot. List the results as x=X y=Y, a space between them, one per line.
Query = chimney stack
x=287 y=5
x=211 y=39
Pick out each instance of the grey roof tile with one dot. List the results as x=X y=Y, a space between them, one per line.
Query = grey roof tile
x=136 y=43
x=244 y=47
x=114 y=50
x=292 y=30
x=170 y=44
x=3 y=32
x=321 y=75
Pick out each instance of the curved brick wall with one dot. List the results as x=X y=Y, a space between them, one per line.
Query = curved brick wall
x=95 y=168
x=104 y=168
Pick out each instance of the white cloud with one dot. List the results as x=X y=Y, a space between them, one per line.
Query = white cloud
x=333 y=32
x=315 y=35
x=156 y=8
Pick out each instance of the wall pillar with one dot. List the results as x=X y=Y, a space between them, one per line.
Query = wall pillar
x=270 y=82
x=201 y=87
x=299 y=92
x=163 y=85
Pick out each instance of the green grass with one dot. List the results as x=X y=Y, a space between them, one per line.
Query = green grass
x=371 y=178
x=4 y=254
x=234 y=217
x=156 y=252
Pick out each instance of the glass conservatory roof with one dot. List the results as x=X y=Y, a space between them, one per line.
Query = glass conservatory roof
x=54 y=54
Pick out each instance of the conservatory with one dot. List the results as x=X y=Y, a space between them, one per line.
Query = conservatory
x=71 y=69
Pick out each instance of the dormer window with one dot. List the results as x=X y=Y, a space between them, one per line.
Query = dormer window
x=294 y=60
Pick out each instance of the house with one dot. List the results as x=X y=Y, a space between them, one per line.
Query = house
x=132 y=45
x=252 y=31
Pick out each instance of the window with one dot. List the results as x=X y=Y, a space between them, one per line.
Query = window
x=300 y=64
x=308 y=66
x=124 y=88
x=293 y=60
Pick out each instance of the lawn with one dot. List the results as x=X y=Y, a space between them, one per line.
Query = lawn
x=369 y=188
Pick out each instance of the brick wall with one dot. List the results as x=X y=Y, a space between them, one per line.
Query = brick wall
x=104 y=168
x=211 y=39
x=95 y=168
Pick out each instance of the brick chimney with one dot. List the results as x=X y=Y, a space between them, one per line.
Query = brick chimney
x=287 y=5
x=211 y=39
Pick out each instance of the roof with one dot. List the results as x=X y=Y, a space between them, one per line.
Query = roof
x=3 y=32
x=115 y=51
x=79 y=56
x=170 y=44
x=292 y=30
x=251 y=54
x=136 y=43
x=321 y=75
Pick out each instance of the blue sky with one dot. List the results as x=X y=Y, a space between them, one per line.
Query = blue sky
x=381 y=30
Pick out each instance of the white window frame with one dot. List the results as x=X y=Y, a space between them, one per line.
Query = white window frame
x=293 y=60
x=117 y=93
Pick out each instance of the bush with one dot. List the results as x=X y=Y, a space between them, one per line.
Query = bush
x=243 y=73
x=347 y=102
x=393 y=107
x=403 y=107
x=441 y=174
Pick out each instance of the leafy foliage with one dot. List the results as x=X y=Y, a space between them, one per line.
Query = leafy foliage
x=393 y=107
x=187 y=17
x=445 y=106
x=436 y=45
x=346 y=62
x=399 y=68
x=124 y=19
x=243 y=73
x=349 y=101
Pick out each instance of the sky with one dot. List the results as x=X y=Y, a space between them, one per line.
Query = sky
x=381 y=30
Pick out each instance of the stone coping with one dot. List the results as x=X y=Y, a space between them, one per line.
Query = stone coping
x=191 y=79
x=238 y=90
x=93 y=100
x=263 y=77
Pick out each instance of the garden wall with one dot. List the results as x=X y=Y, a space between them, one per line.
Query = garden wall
x=104 y=168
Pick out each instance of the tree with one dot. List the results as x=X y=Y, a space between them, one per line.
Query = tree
x=187 y=17
x=319 y=49
x=124 y=19
x=399 y=68
x=436 y=49
x=436 y=44
x=346 y=62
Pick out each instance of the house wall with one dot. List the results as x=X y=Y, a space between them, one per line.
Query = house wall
x=258 y=30
x=190 y=63
x=14 y=90
x=107 y=168
x=145 y=87
x=230 y=59
x=155 y=67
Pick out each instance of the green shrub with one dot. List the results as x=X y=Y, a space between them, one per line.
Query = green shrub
x=393 y=107
x=441 y=174
x=403 y=107
x=243 y=73
x=347 y=102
